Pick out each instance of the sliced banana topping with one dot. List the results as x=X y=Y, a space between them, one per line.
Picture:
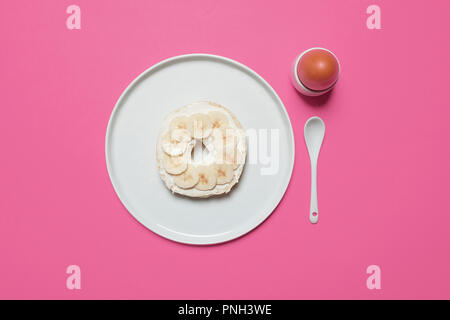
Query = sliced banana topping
x=182 y=122
x=219 y=120
x=202 y=125
x=188 y=179
x=224 y=173
x=207 y=178
x=175 y=164
x=174 y=143
x=201 y=150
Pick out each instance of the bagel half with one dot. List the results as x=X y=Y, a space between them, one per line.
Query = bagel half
x=201 y=150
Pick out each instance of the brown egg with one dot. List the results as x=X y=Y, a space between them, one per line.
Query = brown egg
x=318 y=69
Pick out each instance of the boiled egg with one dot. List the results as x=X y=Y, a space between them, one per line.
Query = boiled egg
x=315 y=71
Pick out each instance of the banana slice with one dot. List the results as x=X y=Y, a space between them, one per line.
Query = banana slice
x=207 y=178
x=226 y=148
x=188 y=179
x=224 y=173
x=181 y=135
x=230 y=156
x=182 y=122
x=225 y=145
x=219 y=120
x=234 y=157
x=202 y=125
x=175 y=141
x=175 y=164
x=229 y=139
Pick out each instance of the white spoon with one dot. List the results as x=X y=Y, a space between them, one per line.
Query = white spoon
x=314 y=133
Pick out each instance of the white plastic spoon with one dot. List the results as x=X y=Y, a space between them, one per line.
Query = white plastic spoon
x=314 y=133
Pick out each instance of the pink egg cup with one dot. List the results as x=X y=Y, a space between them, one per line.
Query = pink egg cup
x=299 y=85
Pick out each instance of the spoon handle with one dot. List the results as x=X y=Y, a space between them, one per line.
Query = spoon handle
x=314 y=210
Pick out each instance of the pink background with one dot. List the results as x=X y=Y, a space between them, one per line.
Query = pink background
x=384 y=174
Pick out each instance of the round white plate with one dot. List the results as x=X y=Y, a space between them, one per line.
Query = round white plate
x=131 y=146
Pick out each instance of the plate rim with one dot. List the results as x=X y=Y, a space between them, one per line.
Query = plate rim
x=184 y=238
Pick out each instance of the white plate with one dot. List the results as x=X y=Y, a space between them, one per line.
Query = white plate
x=132 y=133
